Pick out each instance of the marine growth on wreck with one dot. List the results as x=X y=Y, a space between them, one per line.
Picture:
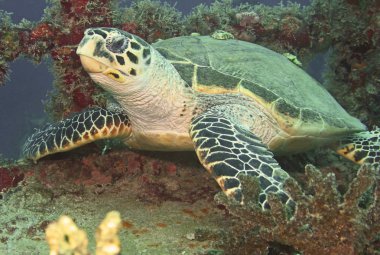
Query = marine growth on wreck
x=166 y=202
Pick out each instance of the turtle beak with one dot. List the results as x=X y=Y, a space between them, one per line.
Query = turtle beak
x=91 y=65
x=89 y=50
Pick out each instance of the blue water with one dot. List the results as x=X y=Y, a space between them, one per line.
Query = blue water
x=21 y=103
x=21 y=97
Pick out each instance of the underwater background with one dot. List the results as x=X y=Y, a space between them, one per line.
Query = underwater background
x=166 y=200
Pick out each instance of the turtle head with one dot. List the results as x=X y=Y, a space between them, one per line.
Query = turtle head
x=113 y=57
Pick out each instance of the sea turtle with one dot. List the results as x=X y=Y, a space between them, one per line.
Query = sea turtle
x=231 y=101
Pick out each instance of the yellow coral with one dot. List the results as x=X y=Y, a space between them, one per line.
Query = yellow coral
x=65 y=238
x=107 y=240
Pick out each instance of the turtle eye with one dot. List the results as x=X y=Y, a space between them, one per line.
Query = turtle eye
x=117 y=44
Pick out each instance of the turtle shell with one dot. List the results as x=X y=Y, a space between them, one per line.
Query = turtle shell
x=299 y=104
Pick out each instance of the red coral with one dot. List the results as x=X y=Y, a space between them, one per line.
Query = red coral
x=63 y=54
x=72 y=38
x=72 y=8
x=82 y=99
x=156 y=167
x=79 y=6
x=171 y=168
x=66 y=5
x=135 y=164
x=69 y=78
x=132 y=28
x=9 y=178
x=259 y=30
x=42 y=32
x=294 y=32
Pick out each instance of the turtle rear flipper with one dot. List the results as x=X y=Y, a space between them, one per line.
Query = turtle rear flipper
x=363 y=147
x=227 y=151
x=82 y=128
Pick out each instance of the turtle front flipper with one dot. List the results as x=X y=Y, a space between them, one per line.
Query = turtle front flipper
x=228 y=150
x=82 y=128
x=362 y=147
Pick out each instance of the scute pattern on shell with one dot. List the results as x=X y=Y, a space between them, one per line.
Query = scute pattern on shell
x=296 y=101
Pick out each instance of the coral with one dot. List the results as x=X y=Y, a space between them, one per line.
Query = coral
x=282 y=28
x=143 y=172
x=151 y=20
x=221 y=15
x=76 y=91
x=10 y=177
x=8 y=40
x=352 y=33
x=65 y=238
x=107 y=240
x=325 y=221
x=162 y=197
x=246 y=19
x=142 y=185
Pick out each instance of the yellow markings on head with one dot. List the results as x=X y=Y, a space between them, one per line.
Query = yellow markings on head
x=115 y=75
